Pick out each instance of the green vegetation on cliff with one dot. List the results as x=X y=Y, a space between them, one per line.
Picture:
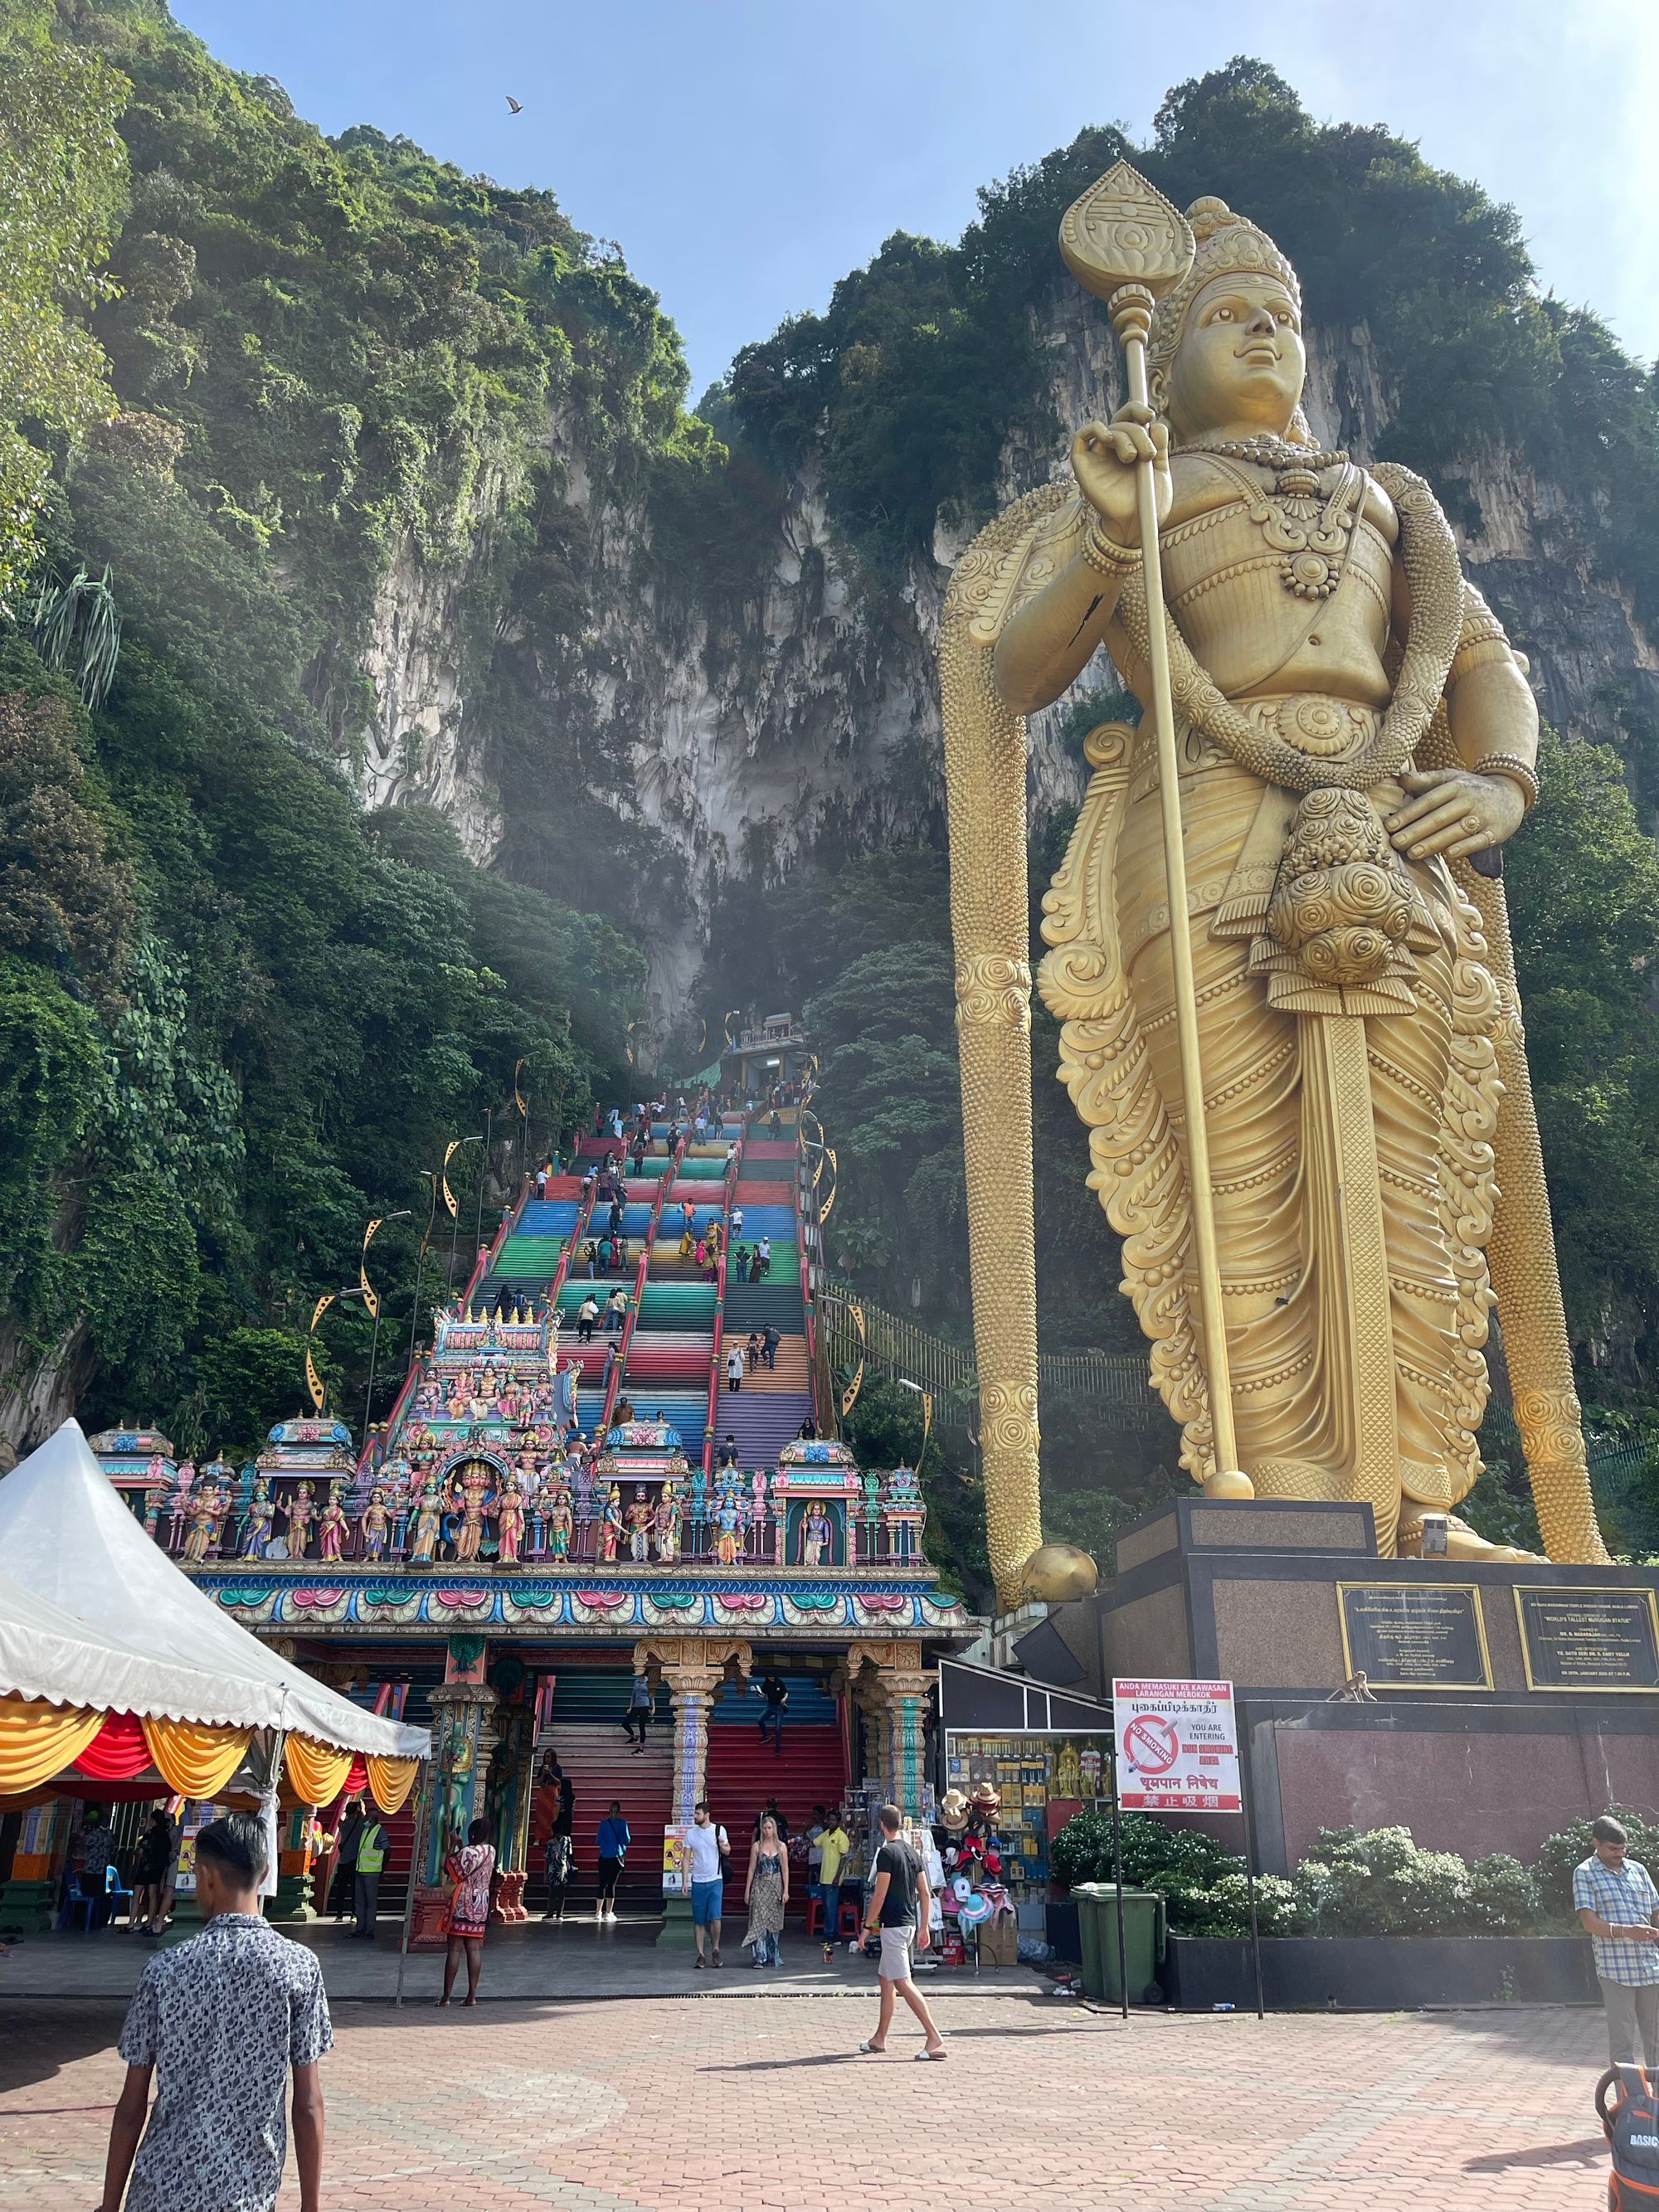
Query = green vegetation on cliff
x=237 y=1019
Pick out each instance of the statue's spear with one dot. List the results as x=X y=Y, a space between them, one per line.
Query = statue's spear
x=1126 y=243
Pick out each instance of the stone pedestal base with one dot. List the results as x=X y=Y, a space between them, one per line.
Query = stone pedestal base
x=675 y=1932
x=1502 y=1700
x=30 y=1906
x=509 y=1904
x=293 y=1898
x=426 y=1930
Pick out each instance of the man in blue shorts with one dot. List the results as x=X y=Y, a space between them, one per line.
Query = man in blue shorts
x=706 y=1846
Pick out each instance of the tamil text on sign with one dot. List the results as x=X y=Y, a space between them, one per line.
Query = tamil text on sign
x=1429 y=1635
x=1177 y=1747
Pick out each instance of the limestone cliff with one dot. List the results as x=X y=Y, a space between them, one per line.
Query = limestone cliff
x=744 y=733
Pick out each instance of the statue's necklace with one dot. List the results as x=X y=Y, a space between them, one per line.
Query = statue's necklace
x=1310 y=534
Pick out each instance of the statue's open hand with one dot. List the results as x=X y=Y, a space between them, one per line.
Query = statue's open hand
x=1104 y=456
x=1455 y=811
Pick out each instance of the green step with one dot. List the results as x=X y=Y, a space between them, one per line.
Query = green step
x=786 y=1262
x=677 y=1305
x=529 y=1256
x=702 y=1171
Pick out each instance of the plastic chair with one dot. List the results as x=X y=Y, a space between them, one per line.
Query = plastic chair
x=115 y=1889
x=852 y=1920
x=74 y=1896
x=814 y=1915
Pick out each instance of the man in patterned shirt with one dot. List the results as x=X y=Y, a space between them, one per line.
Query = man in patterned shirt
x=1619 y=1905
x=220 y=2021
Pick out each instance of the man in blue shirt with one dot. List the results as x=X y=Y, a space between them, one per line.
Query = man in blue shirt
x=1619 y=1905
x=613 y=1841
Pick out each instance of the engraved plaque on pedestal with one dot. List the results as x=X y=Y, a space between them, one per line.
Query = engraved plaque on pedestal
x=1576 y=1638
x=1425 y=1636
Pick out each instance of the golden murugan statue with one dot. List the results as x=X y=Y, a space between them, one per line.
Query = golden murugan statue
x=1354 y=737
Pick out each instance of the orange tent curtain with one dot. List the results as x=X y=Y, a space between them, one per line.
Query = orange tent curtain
x=37 y=1740
x=390 y=1781
x=317 y=1771
x=194 y=1761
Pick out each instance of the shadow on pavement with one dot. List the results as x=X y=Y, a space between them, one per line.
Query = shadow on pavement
x=1591 y=2152
x=37 y=2043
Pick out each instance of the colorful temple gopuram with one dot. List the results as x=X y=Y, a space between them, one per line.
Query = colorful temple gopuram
x=569 y=1493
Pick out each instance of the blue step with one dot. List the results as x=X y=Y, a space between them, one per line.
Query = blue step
x=547 y=1217
x=635 y=1220
x=777 y=1222
x=808 y=1701
x=684 y=1410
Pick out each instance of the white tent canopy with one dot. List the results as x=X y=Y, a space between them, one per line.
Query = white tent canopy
x=46 y=1653
x=85 y=1590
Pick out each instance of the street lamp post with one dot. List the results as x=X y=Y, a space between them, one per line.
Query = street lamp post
x=373 y=1298
x=455 y=1144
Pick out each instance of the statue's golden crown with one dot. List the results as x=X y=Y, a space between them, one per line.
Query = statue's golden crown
x=1226 y=245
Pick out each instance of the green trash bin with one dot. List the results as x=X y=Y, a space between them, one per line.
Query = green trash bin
x=1143 y=1940
x=1087 y=1897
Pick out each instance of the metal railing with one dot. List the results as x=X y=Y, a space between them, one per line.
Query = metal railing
x=855 y=1328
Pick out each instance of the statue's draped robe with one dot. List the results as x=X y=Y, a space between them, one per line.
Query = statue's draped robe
x=1351 y=1129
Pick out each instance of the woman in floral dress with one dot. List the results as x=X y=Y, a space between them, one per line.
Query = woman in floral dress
x=470 y=1867
x=766 y=1892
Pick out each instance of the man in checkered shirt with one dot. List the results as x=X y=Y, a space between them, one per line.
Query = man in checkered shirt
x=1619 y=1905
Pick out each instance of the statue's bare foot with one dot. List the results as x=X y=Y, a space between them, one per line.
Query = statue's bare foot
x=1463 y=1543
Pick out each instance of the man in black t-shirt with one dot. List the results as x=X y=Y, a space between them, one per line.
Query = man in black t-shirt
x=897 y=1912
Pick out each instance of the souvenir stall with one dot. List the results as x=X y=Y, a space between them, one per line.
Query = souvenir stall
x=1017 y=1760
x=119 y=1681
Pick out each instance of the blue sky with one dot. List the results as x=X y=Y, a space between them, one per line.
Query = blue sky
x=745 y=155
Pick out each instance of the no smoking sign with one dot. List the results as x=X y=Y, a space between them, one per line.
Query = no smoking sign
x=1177 y=1747
x=1151 y=1744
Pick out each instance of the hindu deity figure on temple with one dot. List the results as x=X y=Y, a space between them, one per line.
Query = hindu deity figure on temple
x=611 y=1524
x=257 y=1521
x=203 y=1525
x=301 y=1513
x=428 y=1526
x=816 y=1535
x=332 y=1527
x=641 y=1518
x=509 y=1525
x=559 y=1520
x=375 y=1523
x=727 y=1522
x=472 y=1496
x=668 y=1523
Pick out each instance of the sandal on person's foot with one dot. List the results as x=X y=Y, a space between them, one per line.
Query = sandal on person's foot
x=872 y=2050
x=938 y=2052
x=718 y=1959
x=699 y=1961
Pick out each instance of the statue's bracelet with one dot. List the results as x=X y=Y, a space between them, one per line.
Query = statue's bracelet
x=1518 y=771
x=1106 y=555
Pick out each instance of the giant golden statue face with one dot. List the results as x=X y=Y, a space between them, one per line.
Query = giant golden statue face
x=1241 y=362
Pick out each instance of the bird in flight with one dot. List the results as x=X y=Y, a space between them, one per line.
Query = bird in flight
x=515 y=105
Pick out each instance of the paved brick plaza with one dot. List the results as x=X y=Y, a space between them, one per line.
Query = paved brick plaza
x=652 y=2104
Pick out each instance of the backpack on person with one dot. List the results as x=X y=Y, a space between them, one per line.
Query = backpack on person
x=1631 y=2122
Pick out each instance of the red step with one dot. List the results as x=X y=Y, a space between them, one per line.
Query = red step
x=601 y=1764
x=743 y=1773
